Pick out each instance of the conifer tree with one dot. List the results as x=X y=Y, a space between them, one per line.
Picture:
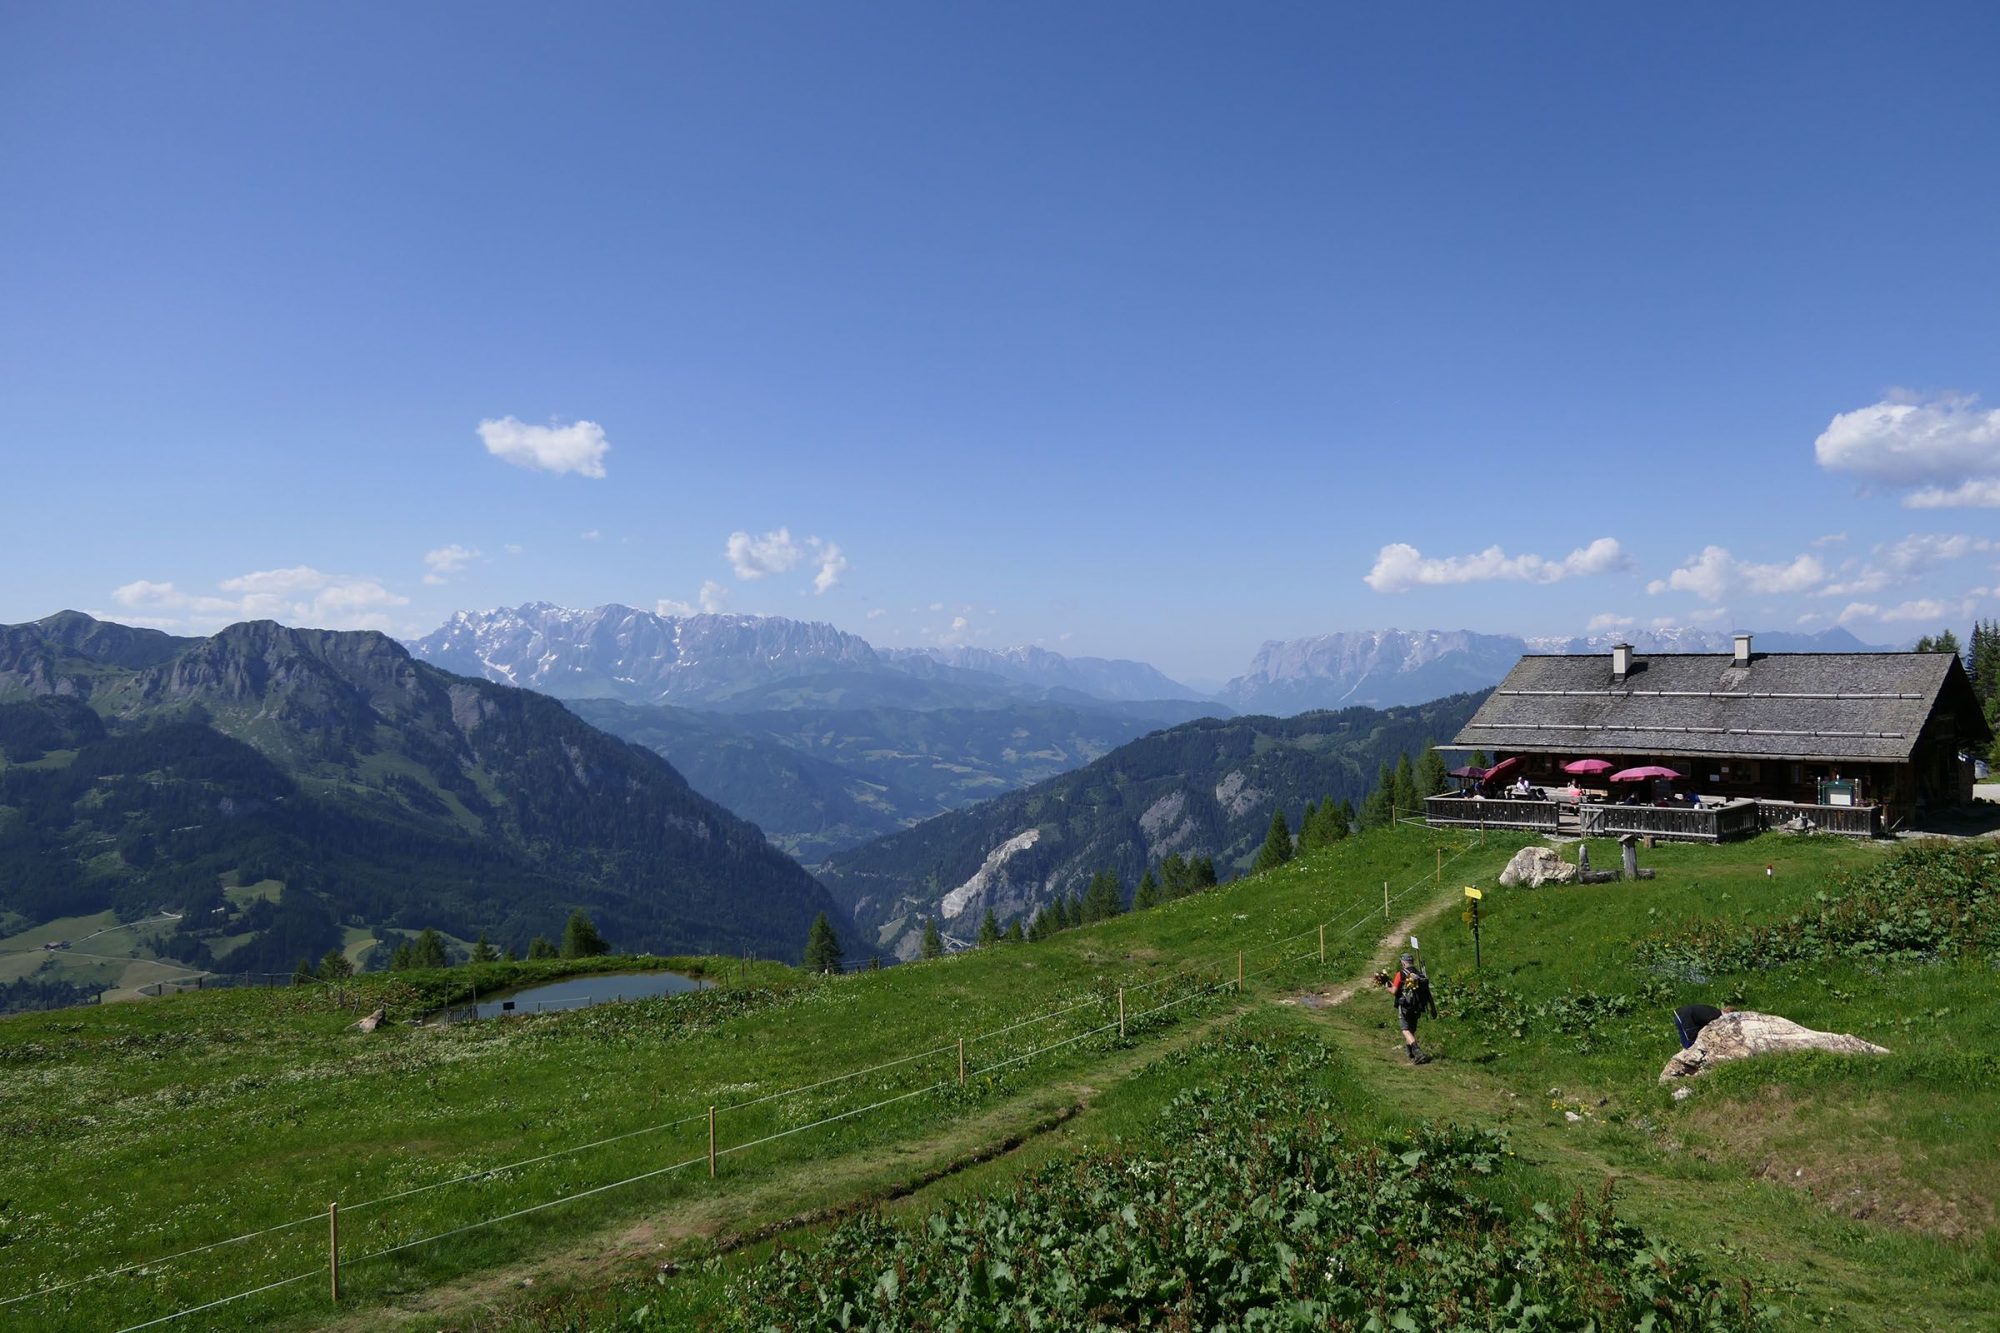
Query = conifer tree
x=303 y=974
x=1174 y=879
x=1376 y=806
x=1072 y=913
x=483 y=950
x=1148 y=893
x=989 y=929
x=1201 y=874
x=1347 y=817
x=933 y=942
x=1104 y=898
x=1277 y=848
x=822 y=946
x=539 y=947
x=334 y=966
x=1431 y=775
x=580 y=937
x=1404 y=798
x=428 y=951
x=513 y=955
x=1012 y=935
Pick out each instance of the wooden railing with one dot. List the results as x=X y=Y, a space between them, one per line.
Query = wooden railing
x=1675 y=823
x=1542 y=816
x=1852 y=821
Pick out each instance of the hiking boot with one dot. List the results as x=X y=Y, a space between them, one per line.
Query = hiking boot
x=1416 y=1053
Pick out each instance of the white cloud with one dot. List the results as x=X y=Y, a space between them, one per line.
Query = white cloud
x=1977 y=493
x=877 y=613
x=1715 y=572
x=300 y=595
x=1400 y=566
x=714 y=596
x=832 y=564
x=1901 y=561
x=1830 y=539
x=1608 y=621
x=591 y=536
x=667 y=606
x=1928 y=609
x=514 y=548
x=1948 y=446
x=447 y=561
x=959 y=632
x=756 y=557
x=578 y=448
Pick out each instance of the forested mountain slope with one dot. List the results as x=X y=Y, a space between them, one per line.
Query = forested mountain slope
x=139 y=772
x=1207 y=788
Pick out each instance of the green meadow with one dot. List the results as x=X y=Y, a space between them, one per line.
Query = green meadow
x=1804 y=1191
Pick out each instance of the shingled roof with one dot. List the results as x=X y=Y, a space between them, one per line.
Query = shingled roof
x=1857 y=707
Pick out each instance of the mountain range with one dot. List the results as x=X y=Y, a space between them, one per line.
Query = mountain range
x=1205 y=788
x=1383 y=668
x=139 y=771
x=738 y=661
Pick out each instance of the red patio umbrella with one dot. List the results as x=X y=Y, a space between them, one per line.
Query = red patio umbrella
x=1468 y=771
x=1505 y=766
x=1588 y=766
x=1643 y=772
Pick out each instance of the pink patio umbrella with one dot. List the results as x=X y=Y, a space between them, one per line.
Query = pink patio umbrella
x=1588 y=766
x=1503 y=767
x=1643 y=772
x=1468 y=771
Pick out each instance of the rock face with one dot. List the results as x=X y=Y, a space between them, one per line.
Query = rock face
x=1740 y=1035
x=1533 y=867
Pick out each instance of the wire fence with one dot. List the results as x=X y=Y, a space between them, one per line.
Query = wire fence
x=1231 y=978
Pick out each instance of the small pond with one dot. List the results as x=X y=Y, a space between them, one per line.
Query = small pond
x=578 y=993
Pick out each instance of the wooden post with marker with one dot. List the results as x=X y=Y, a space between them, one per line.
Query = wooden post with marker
x=1322 y=944
x=711 y=1143
x=333 y=1248
x=961 y=1062
x=1239 y=973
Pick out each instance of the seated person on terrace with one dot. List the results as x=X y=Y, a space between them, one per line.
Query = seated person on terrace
x=1521 y=787
x=1573 y=794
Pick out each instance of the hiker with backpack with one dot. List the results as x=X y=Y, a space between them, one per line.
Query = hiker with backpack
x=1410 y=989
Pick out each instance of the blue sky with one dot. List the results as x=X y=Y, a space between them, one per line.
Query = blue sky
x=1149 y=330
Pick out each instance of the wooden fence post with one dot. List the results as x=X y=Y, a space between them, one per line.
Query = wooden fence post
x=1121 y=1013
x=1322 y=944
x=333 y=1248
x=961 y=1062
x=1239 y=973
x=1385 y=900
x=1440 y=870
x=711 y=1143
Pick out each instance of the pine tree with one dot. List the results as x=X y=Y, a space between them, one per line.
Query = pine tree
x=1431 y=775
x=483 y=950
x=1040 y=928
x=513 y=955
x=402 y=959
x=303 y=974
x=334 y=966
x=1012 y=935
x=1072 y=913
x=1148 y=893
x=580 y=937
x=541 y=948
x=1376 y=806
x=1201 y=873
x=822 y=946
x=1405 y=795
x=1347 y=817
x=989 y=929
x=428 y=951
x=1277 y=848
x=1175 y=881
x=933 y=942
x=1104 y=898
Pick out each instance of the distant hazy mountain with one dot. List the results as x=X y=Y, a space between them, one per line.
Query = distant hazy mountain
x=757 y=662
x=1101 y=677
x=1206 y=788
x=1380 y=668
x=819 y=779
x=139 y=771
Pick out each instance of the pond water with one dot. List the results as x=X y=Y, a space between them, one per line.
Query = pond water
x=581 y=993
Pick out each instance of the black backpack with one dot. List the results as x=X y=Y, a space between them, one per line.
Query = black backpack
x=1416 y=996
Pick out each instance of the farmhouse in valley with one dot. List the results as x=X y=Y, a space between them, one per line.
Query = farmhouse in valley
x=1842 y=742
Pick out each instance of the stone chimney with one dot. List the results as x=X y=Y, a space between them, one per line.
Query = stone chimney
x=1742 y=650
x=1621 y=661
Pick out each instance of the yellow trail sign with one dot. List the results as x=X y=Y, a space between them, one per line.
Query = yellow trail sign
x=1473 y=893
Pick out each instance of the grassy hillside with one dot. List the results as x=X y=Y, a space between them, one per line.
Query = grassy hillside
x=204 y=1116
